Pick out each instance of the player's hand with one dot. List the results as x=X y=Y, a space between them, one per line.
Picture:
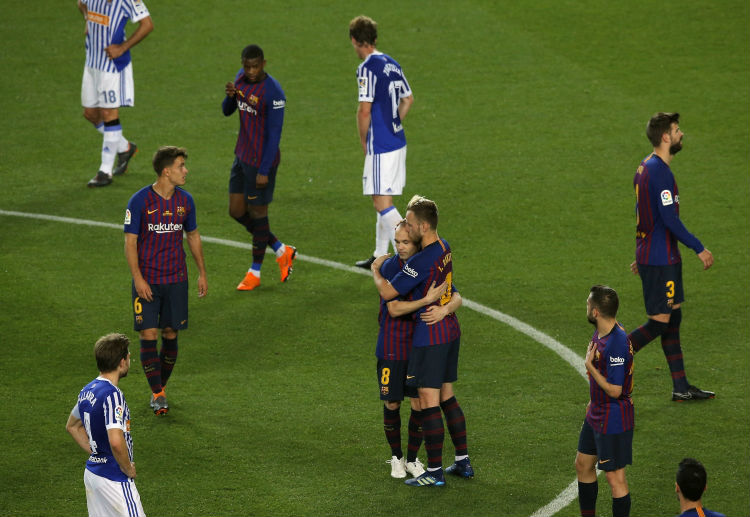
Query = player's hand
x=707 y=258
x=434 y=314
x=131 y=471
x=261 y=181
x=588 y=360
x=434 y=293
x=634 y=267
x=202 y=286
x=375 y=266
x=114 y=50
x=230 y=90
x=143 y=289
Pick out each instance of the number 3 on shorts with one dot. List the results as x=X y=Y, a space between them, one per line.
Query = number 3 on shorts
x=670 y=289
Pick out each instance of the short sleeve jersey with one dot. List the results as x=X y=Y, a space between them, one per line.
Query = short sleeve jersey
x=382 y=83
x=700 y=511
x=433 y=264
x=105 y=25
x=395 y=335
x=613 y=358
x=101 y=406
x=159 y=224
x=261 y=106
x=658 y=225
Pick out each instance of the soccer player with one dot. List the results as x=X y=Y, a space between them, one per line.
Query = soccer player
x=433 y=364
x=100 y=424
x=154 y=221
x=108 y=77
x=392 y=352
x=384 y=100
x=689 y=486
x=657 y=256
x=607 y=431
x=261 y=103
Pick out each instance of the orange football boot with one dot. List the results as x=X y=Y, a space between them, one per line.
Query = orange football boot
x=285 y=262
x=249 y=283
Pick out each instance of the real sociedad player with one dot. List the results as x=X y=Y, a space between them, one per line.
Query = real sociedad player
x=107 y=83
x=100 y=424
x=392 y=351
x=607 y=431
x=433 y=365
x=385 y=98
x=261 y=103
x=657 y=255
x=155 y=220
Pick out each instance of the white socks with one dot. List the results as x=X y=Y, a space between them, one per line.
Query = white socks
x=385 y=230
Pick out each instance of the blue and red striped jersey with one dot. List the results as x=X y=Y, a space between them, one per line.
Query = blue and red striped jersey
x=613 y=358
x=395 y=335
x=657 y=207
x=159 y=224
x=433 y=264
x=261 y=107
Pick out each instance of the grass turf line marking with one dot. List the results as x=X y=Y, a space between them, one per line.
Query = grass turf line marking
x=565 y=497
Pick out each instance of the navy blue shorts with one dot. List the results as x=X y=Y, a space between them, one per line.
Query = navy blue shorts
x=168 y=307
x=242 y=181
x=431 y=366
x=662 y=287
x=613 y=450
x=392 y=380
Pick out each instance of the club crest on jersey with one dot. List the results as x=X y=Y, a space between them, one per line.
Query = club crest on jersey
x=666 y=198
x=409 y=271
x=253 y=100
x=181 y=211
x=127 y=216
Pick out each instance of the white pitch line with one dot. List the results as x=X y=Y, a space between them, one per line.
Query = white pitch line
x=565 y=497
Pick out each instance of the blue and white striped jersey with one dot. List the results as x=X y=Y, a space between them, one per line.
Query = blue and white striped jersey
x=382 y=82
x=101 y=406
x=105 y=25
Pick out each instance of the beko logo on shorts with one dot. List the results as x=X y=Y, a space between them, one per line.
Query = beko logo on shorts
x=409 y=271
x=164 y=228
x=617 y=361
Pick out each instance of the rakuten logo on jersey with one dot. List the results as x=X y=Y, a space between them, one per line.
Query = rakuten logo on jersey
x=244 y=106
x=616 y=361
x=164 y=228
x=409 y=271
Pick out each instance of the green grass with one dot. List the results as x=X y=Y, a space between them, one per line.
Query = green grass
x=526 y=129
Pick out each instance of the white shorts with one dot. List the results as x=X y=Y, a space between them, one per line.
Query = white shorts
x=385 y=173
x=105 y=497
x=101 y=89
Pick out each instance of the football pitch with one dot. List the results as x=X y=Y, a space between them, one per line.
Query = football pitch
x=527 y=127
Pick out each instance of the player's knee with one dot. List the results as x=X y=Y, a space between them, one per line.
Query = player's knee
x=92 y=115
x=392 y=406
x=583 y=464
x=168 y=333
x=148 y=334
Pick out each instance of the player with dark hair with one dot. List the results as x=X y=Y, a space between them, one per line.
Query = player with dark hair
x=384 y=100
x=108 y=77
x=689 y=486
x=100 y=424
x=392 y=351
x=657 y=255
x=607 y=431
x=261 y=102
x=433 y=364
x=154 y=222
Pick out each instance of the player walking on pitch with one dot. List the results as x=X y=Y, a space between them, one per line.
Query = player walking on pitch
x=607 y=431
x=100 y=424
x=154 y=222
x=384 y=100
x=657 y=255
x=261 y=103
x=108 y=77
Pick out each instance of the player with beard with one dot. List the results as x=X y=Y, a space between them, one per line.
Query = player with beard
x=607 y=431
x=657 y=256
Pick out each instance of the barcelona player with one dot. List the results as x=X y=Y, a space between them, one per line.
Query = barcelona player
x=657 y=255
x=433 y=364
x=261 y=103
x=385 y=98
x=689 y=486
x=155 y=220
x=607 y=432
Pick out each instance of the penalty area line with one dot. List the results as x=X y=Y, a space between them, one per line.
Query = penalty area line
x=565 y=497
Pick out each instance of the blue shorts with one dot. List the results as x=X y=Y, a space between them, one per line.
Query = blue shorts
x=168 y=307
x=662 y=287
x=613 y=450
x=432 y=366
x=242 y=181
x=392 y=380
